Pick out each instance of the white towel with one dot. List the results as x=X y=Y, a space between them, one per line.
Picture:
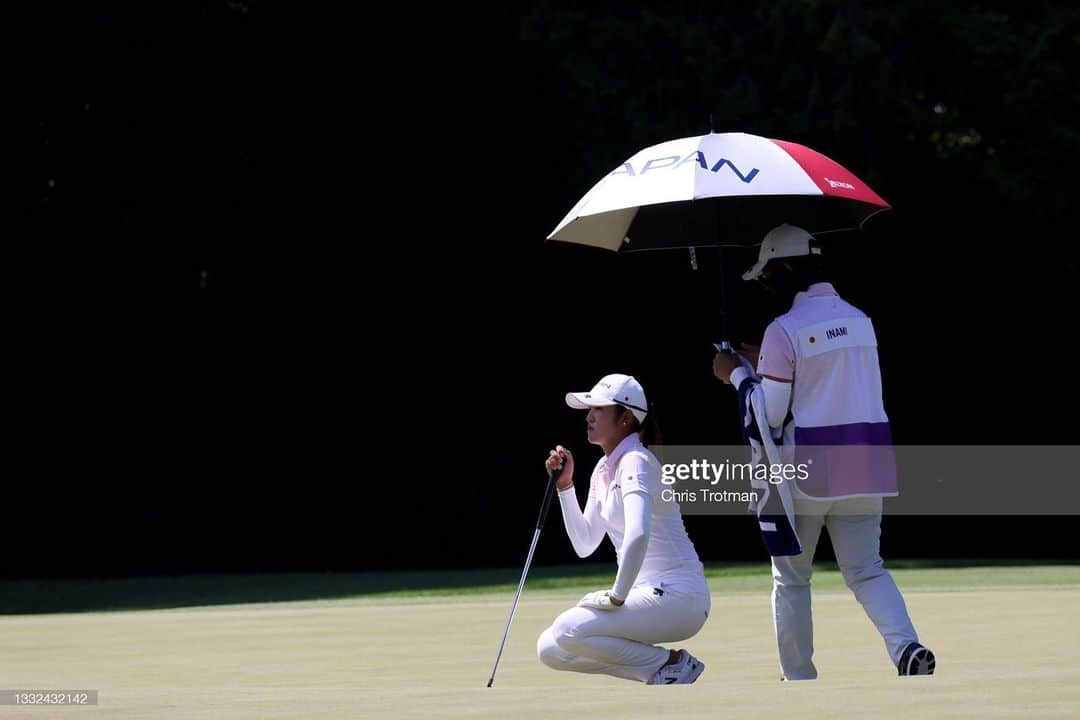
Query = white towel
x=774 y=505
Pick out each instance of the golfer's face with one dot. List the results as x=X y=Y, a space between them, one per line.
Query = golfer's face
x=601 y=423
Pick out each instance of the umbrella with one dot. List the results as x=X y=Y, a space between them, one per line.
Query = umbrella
x=713 y=190
x=764 y=181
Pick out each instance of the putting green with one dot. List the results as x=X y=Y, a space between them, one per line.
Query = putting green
x=1004 y=650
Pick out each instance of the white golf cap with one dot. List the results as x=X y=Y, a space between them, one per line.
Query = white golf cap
x=782 y=241
x=613 y=389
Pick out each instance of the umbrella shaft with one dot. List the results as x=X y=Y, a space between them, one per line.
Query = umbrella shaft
x=723 y=296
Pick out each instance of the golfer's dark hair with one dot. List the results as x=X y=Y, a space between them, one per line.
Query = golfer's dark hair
x=648 y=430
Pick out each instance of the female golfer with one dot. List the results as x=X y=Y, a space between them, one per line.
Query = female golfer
x=659 y=594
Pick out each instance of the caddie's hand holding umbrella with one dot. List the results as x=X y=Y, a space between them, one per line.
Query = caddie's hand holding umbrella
x=723 y=365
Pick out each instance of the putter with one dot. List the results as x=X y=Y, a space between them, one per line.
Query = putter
x=552 y=479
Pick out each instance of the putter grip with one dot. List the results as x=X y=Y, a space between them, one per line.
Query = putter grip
x=552 y=479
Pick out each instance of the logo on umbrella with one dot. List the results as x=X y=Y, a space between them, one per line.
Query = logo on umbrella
x=839 y=184
x=673 y=161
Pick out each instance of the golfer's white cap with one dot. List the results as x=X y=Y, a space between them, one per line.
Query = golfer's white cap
x=612 y=390
x=782 y=241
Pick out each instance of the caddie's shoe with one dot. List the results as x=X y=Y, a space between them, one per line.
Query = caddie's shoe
x=916 y=660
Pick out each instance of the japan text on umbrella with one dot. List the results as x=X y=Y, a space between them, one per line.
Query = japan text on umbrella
x=715 y=190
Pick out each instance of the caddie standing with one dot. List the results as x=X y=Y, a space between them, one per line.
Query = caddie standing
x=818 y=365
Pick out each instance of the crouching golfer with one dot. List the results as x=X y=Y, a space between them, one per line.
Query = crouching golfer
x=659 y=594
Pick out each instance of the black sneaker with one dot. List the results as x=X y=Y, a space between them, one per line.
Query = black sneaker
x=916 y=660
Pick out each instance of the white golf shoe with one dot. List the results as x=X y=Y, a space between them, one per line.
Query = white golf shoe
x=685 y=670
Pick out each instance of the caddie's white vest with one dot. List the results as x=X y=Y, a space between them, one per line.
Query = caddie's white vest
x=840 y=426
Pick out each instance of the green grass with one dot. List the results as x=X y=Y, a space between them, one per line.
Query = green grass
x=941 y=575
x=80 y=595
x=1002 y=652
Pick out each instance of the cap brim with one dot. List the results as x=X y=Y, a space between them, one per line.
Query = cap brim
x=754 y=272
x=583 y=401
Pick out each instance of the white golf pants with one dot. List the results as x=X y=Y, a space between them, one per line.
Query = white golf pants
x=855 y=529
x=622 y=642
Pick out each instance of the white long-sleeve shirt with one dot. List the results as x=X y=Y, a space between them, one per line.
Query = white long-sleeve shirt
x=626 y=504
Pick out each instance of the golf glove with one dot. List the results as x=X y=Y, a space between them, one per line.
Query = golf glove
x=599 y=600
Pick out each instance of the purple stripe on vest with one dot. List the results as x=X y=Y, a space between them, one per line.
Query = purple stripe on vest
x=850 y=434
x=851 y=459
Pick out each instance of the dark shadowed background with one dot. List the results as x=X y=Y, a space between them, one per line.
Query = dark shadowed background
x=280 y=297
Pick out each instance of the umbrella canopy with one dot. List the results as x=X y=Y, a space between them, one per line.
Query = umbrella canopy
x=705 y=189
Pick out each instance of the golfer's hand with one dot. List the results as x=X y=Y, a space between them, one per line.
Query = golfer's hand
x=723 y=364
x=601 y=600
x=560 y=457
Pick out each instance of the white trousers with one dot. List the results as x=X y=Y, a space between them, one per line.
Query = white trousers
x=622 y=642
x=855 y=529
